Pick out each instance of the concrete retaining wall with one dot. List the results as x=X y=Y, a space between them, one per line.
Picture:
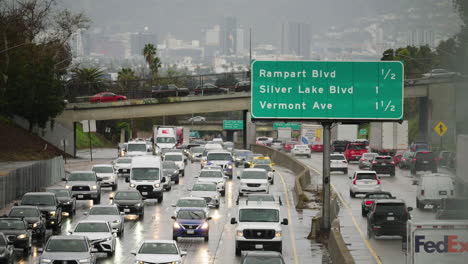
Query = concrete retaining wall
x=337 y=248
x=31 y=178
x=301 y=171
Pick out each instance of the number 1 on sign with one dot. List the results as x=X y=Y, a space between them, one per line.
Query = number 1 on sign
x=377 y=90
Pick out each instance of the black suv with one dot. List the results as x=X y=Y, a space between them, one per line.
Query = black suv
x=129 y=202
x=65 y=198
x=339 y=145
x=388 y=218
x=16 y=231
x=383 y=165
x=48 y=204
x=242 y=86
x=369 y=199
x=424 y=161
x=33 y=216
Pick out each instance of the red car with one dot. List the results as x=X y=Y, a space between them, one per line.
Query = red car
x=398 y=156
x=290 y=145
x=316 y=147
x=354 y=151
x=106 y=97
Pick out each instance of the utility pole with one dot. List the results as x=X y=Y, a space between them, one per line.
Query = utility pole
x=250 y=46
x=326 y=175
x=89 y=137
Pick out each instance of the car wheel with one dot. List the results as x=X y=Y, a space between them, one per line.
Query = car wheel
x=223 y=193
x=418 y=205
x=96 y=201
x=110 y=254
x=345 y=171
x=363 y=212
x=114 y=187
x=353 y=195
x=238 y=251
x=26 y=251
x=160 y=199
x=207 y=238
x=413 y=171
x=217 y=206
x=370 y=234
x=174 y=238
x=176 y=181
x=392 y=173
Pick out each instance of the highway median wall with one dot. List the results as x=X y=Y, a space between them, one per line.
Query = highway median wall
x=30 y=178
x=301 y=171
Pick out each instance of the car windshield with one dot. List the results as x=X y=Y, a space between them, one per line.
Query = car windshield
x=127 y=196
x=191 y=203
x=425 y=155
x=169 y=165
x=337 y=157
x=92 y=227
x=171 y=157
x=104 y=211
x=228 y=144
x=263 y=166
x=258 y=215
x=396 y=208
x=357 y=146
x=165 y=140
x=38 y=200
x=366 y=176
x=103 y=170
x=265 y=198
x=204 y=187
x=136 y=147
x=67 y=245
x=253 y=175
x=263 y=260
x=124 y=160
x=189 y=214
x=158 y=248
x=141 y=174
x=262 y=139
x=219 y=156
x=24 y=212
x=82 y=176
x=262 y=161
x=12 y=224
x=197 y=149
x=210 y=174
x=59 y=192
x=379 y=196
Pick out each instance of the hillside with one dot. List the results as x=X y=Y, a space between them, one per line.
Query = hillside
x=17 y=144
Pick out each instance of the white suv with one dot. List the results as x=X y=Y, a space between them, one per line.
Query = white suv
x=338 y=162
x=253 y=181
x=363 y=182
x=258 y=227
x=303 y=150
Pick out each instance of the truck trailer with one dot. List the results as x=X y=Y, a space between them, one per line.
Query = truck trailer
x=388 y=137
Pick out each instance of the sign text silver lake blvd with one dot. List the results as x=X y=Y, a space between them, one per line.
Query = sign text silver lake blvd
x=327 y=90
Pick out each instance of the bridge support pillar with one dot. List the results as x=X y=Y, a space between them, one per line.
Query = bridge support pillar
x=423 y=118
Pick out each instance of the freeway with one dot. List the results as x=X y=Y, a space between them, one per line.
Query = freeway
x=380 y=250
x=157 y=223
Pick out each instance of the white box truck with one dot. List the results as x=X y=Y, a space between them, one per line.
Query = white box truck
x=311 y=133
x=284 y=134
x=388 y=137
x=462 y=165
x=344 y=132
x=165 y=137
x=437 y=242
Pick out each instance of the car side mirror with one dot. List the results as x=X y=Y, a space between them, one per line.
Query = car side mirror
x=174 y=205
x=143 y=198
x=285 y=221
x=163 y=179
x=233 y=221
x=64 y=179
x=111 y=198
x=238 y=177
x=350 y=177
x=133 y=252
x=39 y=250
x=225 y=177
x=127 y=179
x=173 y=217
x=273 y=170
x=94 y=250
x=195 y=176
x=189 y=189
x=16 y=204
x=410 y=209
x=99 y=179
x=209 y=218
x=183 y=253
x=70 y=232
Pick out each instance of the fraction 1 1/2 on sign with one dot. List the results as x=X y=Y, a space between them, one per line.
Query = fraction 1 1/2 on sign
x=386 y=106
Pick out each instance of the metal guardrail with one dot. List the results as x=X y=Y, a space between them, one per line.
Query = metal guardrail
x=30 y=178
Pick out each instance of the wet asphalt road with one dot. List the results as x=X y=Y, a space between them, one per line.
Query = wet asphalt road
x=157 y=224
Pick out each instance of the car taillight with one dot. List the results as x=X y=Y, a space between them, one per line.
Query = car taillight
x=414 y=160
x=363 y=159
x=378 y=180
x=369 y=202
x=344 y=161
x=422 y=192
x=441 y=158
x=392 y=162
x=374 y=162
x=354 y=182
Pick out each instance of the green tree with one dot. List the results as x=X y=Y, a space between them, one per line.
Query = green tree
x=417 y=60
x=88 y=80
x=227 y=80
x=154 y=63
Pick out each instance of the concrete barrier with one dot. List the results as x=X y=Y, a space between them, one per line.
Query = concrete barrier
x=301 y=171
x=337 y=248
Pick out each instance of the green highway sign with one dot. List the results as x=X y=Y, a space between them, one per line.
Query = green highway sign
x=327 y=90
x=362 y=131
x=233 y=124
x=293 y=126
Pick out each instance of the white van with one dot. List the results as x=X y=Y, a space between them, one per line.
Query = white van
x=432 y=188
x=146 y=176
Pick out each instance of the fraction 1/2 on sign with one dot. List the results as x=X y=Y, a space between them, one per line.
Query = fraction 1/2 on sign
x=385 y=106
x=388 y=74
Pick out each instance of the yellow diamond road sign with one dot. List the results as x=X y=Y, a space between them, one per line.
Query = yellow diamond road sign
x=440 y=128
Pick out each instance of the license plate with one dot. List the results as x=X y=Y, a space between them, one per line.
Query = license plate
x=190 y=232
x=144 y=193
x=125 y=170
x=258 y=246
x=126 y=210
x=425 y=162
x=383 y=164
x=80 y=196
x=390 y=218
x=443 y=192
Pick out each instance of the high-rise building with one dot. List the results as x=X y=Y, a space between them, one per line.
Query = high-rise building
x=239 y=41
x=299 y=37
x=230 y=35
x=139 y=40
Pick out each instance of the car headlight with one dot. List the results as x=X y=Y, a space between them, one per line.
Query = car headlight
x=36 y=224
x=22 y=236
x=52 y=213
x=176 y=225
x=84 y=261
x=69 y=202
x=116 y=222
x=132 y=185
x=216 y=197
x=94 y=187
x=278 y=234
x=240 y=233
x=108 y=239
x=229 y=166
x=67 y=186
x=44 y=260
x=176 y=262
x=138 y=204
x=157 y=185
x=205 y=225
x=204 y=162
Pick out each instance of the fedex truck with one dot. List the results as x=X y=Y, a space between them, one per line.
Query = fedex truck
x=437 y=242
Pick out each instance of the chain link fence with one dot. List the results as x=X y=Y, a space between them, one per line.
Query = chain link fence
x=30 y=178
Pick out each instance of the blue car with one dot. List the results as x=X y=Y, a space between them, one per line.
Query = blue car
x=191 y=222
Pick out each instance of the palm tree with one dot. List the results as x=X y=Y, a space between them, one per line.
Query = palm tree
x=154 y=63
x=125 y=78
x=88 y=80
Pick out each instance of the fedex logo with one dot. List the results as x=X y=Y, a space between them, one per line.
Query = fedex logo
x=450 y=244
